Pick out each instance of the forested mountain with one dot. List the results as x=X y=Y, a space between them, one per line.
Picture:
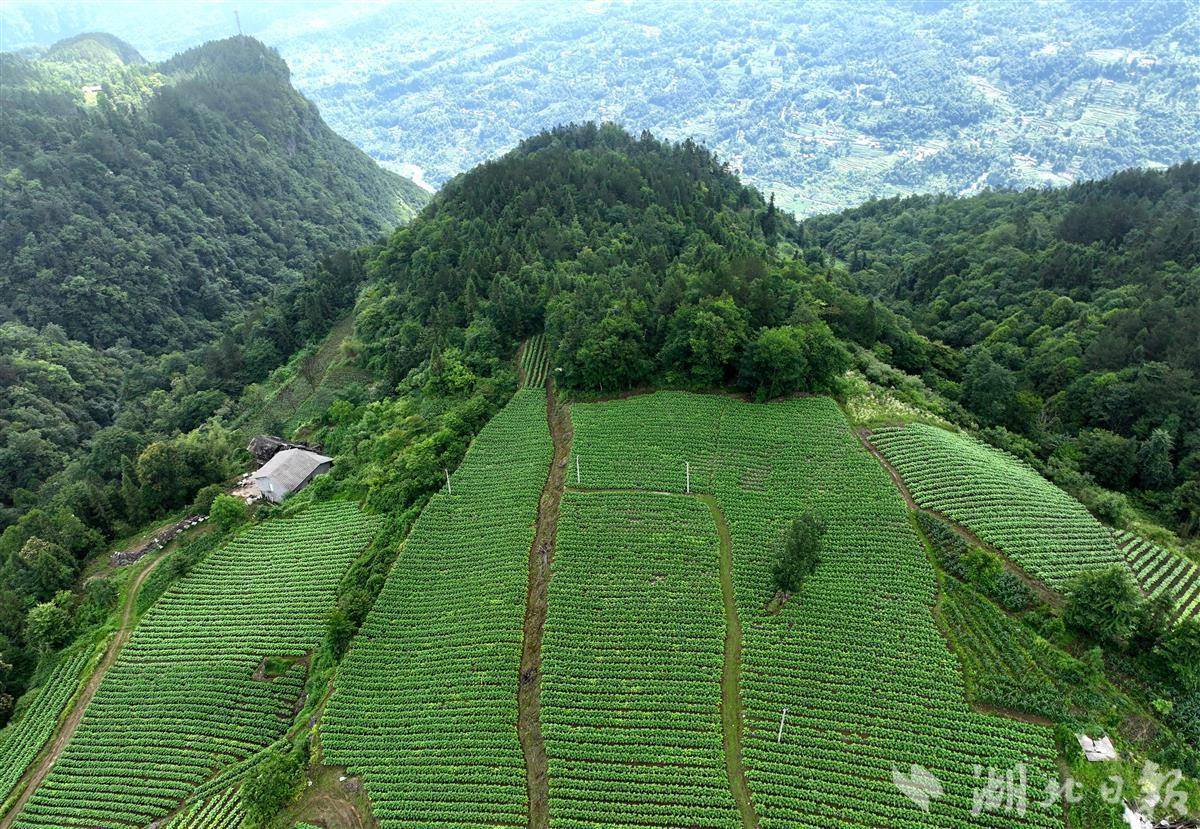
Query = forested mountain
x=824 y=104
x=1074 y=314
x=146 y=206
x=144 y=202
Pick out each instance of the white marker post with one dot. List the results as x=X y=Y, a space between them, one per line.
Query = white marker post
x=576 y=470
x=782 y=717
x=688 y=470
x=448 y=490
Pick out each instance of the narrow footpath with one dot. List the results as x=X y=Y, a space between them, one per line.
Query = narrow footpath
x=731 y=696
x=36 y=773
x=541 y=559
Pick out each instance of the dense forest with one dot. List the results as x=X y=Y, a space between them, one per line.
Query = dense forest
x=171 y=234
x=1074 y=315
x=145 y=207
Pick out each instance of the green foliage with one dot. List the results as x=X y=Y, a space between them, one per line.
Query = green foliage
x=764 y=464
x=271 y=784
x=1002 y=500
x=644 y=262
x=1179 y=650
x=203 y=501
x=1105 y=605
x=47 y=626
x=192 y=661
x=100 y=597
x=1074 y=311
x=800 y=554
x=781 y=361
x=227 y=512
x=980 y=568
x=38 y=717
x=655 y=558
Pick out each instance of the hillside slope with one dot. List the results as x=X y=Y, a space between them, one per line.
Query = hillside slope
x=1075 y=315
x=144 y=202
x=825 y=104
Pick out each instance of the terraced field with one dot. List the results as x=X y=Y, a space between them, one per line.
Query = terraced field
x=425 y=705
x=22 y=740
x=631 y=662
x=1160 y=571
x=182 y=701
x=1003 y=501
x=853 y=665
x=222 y=811
x=535 y=362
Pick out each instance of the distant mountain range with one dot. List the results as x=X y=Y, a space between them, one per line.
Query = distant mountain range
x=824 y=104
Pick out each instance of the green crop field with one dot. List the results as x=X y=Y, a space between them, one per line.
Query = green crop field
x=182 y=702
x=425 y=704
x=535 y=361
x=221 y=811
x=631 y=665
x=1159 y=571
x=855 y=658
x=1004 y=502
x=22 y=739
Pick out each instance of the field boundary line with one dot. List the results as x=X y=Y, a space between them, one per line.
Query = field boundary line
x=37 y=772
x=541 y=559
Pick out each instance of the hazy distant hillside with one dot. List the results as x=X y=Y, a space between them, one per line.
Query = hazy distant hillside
x=826 y=104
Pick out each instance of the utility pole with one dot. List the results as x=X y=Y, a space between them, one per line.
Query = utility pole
x=238 y=18
x=448 y=490
x=782 y=717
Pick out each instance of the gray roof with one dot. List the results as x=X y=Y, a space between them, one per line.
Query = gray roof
x=290 y=467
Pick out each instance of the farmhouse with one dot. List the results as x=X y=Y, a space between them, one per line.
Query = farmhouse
x=289 y=471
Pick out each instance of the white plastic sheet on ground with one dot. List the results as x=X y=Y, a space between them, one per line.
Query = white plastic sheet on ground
x=1097 y=750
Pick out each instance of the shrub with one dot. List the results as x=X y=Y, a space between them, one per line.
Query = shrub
x=1012 y=593
x=801 y=552
x=227 y=512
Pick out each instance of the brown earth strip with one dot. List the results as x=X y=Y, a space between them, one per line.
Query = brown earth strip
x=37 y=773
x=541 y=557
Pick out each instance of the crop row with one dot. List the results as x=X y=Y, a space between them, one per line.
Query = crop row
x=221 y=811
x=1002 y=500
x=1160 y=571
x=535 y=361
x=425 y=702
x=182 y=700
x=631 y=664
x=23 y=738
x=852 y=667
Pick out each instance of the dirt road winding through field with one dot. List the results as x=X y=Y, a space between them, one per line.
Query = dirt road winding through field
x=541 y=557
x=36 y=773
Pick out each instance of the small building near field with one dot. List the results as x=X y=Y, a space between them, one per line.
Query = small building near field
x=289 y=471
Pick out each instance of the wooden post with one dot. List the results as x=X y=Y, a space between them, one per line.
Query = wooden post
x=688 y=469
x=448 y=490
x=576 y=470
x=782 y=717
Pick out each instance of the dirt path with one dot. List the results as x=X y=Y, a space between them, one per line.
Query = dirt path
x=541 y=558
x=731 y=697
x=34 y=776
